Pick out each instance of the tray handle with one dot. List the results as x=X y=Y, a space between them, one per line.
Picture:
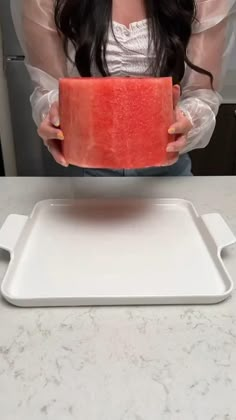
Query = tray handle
x=11 y=231
x=219 y=230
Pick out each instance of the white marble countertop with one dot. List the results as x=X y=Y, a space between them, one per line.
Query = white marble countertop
x=162 y=363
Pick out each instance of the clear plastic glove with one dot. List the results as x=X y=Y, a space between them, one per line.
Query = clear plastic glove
x=52 y=136
x=181 y=127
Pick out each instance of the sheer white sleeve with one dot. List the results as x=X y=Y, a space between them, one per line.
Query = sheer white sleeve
x=210 y=47
x=43 y=49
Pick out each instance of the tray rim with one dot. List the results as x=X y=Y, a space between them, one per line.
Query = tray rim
x=163 y=300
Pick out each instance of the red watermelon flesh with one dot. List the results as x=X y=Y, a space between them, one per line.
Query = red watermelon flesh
x=116 y=122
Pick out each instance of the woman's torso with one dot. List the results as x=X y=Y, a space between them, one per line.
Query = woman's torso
x=128 y=52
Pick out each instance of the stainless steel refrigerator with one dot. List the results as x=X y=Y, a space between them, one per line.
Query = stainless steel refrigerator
x=32 y=158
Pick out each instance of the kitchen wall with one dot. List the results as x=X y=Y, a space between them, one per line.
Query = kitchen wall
x=6 y=138
x=229 y=90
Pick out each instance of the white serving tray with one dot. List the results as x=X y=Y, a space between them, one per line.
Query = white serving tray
x=115 y=252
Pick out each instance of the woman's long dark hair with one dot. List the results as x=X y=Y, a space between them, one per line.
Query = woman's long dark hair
x=86 y=22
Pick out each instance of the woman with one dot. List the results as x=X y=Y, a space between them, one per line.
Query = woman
x=186 y=39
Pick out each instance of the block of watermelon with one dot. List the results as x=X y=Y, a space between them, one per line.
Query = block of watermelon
x=116 y=122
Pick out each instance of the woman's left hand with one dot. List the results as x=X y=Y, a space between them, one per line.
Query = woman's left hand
x=180 y=128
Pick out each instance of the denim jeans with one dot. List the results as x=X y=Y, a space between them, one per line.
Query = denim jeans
x=181 y=168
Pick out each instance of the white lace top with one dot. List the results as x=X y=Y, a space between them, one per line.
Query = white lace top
x=210 y=47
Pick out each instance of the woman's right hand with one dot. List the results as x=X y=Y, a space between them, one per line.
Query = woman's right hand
x=52 y=136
